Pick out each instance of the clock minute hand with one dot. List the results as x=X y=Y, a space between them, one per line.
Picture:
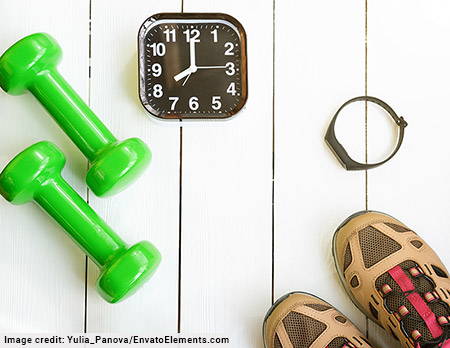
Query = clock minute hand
x=192 y=54
x=212 y=67
x=192 y=68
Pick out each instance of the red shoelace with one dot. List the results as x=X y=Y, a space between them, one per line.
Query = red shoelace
x=438 y=326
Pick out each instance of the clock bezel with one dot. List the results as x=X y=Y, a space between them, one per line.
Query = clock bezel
x=154 y=20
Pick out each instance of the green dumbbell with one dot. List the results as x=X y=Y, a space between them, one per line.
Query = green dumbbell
x=35 y=175
x=30 y=65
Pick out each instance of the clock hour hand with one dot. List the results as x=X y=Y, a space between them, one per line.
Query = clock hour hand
x=183 y=74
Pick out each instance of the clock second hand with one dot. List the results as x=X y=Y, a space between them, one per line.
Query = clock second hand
x=187 y=78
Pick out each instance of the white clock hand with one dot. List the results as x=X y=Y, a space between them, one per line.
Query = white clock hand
x=192 y=54
x=192 y=68
x=212 y=67
x=183 y=74
x=187 y=78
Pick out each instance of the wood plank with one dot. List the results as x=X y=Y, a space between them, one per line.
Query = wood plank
x=149 y=209
x=226 y=225
x=42 y=270
x=319 y=65
x=408 y=68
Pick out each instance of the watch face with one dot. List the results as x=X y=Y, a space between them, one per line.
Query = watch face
x=192 y=66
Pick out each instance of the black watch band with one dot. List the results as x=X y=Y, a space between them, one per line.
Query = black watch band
x=340 y=152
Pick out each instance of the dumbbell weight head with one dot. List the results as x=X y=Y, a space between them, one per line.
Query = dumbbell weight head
x=31 y=64
x=28 y=57
x=125 y=274
x=24 y=175
x=117 y=166
x=35 y=174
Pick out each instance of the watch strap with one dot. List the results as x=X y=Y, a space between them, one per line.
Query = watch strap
x=339 y=150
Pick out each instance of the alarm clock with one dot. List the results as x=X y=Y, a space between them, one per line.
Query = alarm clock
x=192 y=65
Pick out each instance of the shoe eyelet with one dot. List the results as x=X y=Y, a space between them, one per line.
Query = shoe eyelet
x=403 y=311
x=416 y=335
x=385 y=289
x=442 y=320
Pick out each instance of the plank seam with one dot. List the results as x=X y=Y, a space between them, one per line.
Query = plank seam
x=366 y=126
x=180 y=214
x=273 y=150
x=86 y=260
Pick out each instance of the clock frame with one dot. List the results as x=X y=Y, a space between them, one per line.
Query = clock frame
x=192 y=66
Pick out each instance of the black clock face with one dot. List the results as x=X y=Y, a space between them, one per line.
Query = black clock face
x=192 y=66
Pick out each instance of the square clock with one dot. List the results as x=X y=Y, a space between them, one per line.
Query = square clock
x=192 y=65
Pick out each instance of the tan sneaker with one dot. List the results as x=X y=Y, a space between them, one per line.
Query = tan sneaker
x=395 y=278
x=300 y=320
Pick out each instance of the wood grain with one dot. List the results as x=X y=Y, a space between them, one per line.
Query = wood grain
x=42 y=270
x=319 y=64
x=149 y=209
x=408 y=67
x=260 y=195
x=226 y=225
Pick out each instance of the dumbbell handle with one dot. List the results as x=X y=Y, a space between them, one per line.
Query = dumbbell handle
x=80 y=221
x=71 y=113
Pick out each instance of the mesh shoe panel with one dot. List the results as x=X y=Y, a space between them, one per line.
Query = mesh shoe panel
x=277 y=343
x=375 y=246
x=348 y=257
x=393 y=301
x=318 y=307
x=338 y=342
x=354 y=282
x=397 y=228
x=417 y=243
x=341 y=319
x=302 y=330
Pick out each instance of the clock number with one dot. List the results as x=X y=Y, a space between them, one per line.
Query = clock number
x=216 y=104
x=230 y=69
x=214 y=34
x=229 y=46
x=193 y=103
x=159 y=49
x=232 y=89
x=192 y=34
x=157 y=91
x=170 y=35
x=156 y=70
x=174 y=101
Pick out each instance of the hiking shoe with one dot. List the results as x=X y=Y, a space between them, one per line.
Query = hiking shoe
x=299 y=320
x=395 y=278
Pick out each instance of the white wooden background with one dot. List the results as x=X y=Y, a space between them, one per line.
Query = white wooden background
x=242 y=211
